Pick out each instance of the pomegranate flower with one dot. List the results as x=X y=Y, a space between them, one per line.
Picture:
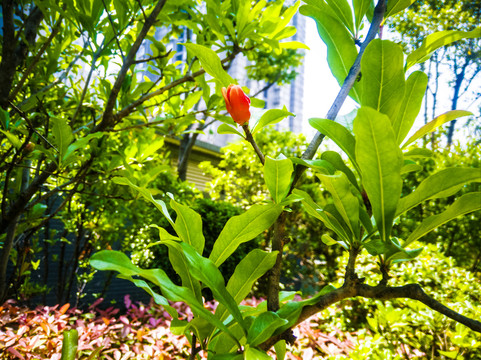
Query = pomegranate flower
x=237 y=104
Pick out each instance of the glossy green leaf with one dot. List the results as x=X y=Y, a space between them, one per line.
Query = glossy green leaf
x=263 y=327
x=382 y=80
x=329 y=241
x=465 y=204
x=69 y=344
x=380 y=161
x=246 y=273
x=417 y=153
x=81 y=143
x=436 y=40
x=395 y=6
x=335 y=159
x=210 y=62
x=228 y=129
x=360 y=9
x=414 y=92
x=14 y=140
x=323 y=166
x=188 y=226
x=205 y=271
x=441 y=184
x=341 y=50
x=326 y=217
x=62 y=134
x=293 y=45
x=280 y=348
x=410 y=166
x=277 y=175
x=159 y=204
x=181 y=266
x=343 y=11
x=118 y=261
x=255 y=354
x=159 y=299
x=242 y=228
x=345 y=202
x=272 y=116
x=435 y=123
x=339 y=134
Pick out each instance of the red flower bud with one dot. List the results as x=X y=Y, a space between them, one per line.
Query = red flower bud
x=237 y=104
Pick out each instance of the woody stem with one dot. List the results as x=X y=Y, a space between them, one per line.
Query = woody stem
x=251 y=140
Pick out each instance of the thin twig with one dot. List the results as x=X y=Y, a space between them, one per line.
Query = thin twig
x=34 y=62
x=251 y=140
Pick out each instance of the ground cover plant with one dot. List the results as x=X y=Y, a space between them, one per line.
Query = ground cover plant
x=366 y=186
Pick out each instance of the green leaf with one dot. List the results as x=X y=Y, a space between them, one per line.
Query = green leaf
x=436 y=122
x=436 y=40
x=323 y=166
x=159 y=299
x=329 y=241
x=188 y=225
x=180 y=265
x=382 y=80
x=246 y=273
x=345 y=202
x=118 y=261
x=263 y=327
x=326 y=217
x=293 y=45
x=254 y=354
x=465 y=204
x=412 y=100
x=380 y=161
x=242 y=228
x=395 y=6
x=69 y=344
x=272 y=116
x=227 y=129
x=335 y=159
x=441 y=184
x=62 y=134
x=113 y=260
x=205 y=271
x=277 y=175
x=410 y=166
x=159 y=204
x=210 y=62
x=4 y=119
x=343 y=12
x=341 y=50
x=360 y=9
x=339 y=134
x=418 y=153
x=280 y=348
x=81 y=143
x=13 y=139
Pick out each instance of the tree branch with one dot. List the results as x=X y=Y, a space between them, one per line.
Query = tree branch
x=317 y=140
x=346 y=86
x=189 y=77
x=108 y=116
x=34 y=62
x=251 y=140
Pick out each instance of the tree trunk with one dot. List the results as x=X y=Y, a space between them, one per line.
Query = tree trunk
x=457 y=87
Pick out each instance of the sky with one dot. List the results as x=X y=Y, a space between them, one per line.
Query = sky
x=320 y=87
